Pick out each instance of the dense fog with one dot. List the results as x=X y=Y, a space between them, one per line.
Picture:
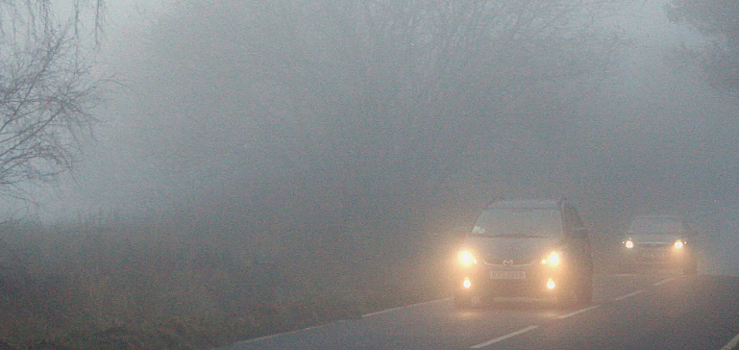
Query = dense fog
x=260 y=167
x=336 y=119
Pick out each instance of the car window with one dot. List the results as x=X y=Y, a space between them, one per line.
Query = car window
x=573 y=219
x=519 y=222
x=575 y=222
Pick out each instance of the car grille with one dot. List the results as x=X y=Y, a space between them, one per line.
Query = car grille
x=507 y=262
x=654 y=251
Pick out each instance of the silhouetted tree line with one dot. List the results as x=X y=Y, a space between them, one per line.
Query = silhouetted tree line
x=719 y=21
x=342 y=124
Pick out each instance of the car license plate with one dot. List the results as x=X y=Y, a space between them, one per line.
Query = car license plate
x=652 y=255
x=508 y=275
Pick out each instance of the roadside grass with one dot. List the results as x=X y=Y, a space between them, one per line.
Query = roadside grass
x=110 y=285
x=104 y=283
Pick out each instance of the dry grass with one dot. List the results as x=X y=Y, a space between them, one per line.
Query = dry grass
x=108 y=285
x=105 y=283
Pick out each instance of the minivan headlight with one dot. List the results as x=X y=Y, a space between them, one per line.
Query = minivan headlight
x=552 y=259
x=629 y=244
x=466 y=258
x=678 y=244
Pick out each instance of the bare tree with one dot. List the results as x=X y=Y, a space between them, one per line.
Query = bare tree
x=718 y=20
x=47 y=89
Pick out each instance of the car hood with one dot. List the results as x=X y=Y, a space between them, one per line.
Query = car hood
x=518 y=250
x=654 y=238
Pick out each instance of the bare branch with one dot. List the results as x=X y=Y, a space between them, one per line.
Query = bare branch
x=47 y=92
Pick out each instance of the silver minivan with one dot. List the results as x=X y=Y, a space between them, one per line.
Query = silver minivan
x=529 y=248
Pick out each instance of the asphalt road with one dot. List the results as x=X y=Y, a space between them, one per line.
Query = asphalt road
x=661 y=310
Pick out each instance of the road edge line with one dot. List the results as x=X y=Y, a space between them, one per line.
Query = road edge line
x=663 y=281
x=732 y=343
x=383 y=311
x=629 y=295
x=404 y=307
x=265 y=337
x=504 y=337
x=429 y=302
x=578 y=312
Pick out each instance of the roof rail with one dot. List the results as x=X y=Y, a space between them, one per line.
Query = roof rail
x=494 y=199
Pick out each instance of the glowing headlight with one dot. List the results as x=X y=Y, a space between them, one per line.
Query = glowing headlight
x=551 y=260
x=629 y=244
x=678 y=244
x=466 y=258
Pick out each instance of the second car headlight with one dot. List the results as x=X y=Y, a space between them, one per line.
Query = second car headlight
x=678 y=244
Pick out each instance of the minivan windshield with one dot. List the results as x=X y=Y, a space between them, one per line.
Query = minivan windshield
x=519 y=223
x=656 y=226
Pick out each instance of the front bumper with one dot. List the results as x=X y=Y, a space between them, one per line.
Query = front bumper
x=529 y=280
x=657 y=256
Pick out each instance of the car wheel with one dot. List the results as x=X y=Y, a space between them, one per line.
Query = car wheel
x=577 y=294
x=569 y=296
x=586 y=291
x=462 y=300
x=691 y=266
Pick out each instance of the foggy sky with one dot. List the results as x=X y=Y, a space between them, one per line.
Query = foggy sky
x=654 y=135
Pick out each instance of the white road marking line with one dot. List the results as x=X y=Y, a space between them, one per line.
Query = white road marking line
x=429 y=302
x=323 y=325
x=509 y=335
x=664 y=281
x=278 y=334
x=628 y=295
x=732 y=344
x=403 y=307
x=383 y=311
x=578 y=311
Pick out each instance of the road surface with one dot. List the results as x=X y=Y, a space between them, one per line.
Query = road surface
x=660 y=310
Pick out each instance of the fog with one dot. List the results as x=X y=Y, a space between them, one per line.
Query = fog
x=260 y=167
x=337 y=119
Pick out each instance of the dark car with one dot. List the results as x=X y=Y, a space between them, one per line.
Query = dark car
x=536 y=248
x=660 y=241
